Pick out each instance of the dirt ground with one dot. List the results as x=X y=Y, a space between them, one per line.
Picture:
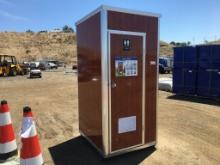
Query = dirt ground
x=188 y=128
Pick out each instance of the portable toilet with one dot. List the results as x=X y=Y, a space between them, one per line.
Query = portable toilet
x=117 y=52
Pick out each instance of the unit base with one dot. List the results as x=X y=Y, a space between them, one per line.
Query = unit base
x=118 y=152
x=214 y=98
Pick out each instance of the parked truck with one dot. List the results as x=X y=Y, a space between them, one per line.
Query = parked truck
x=165 y=64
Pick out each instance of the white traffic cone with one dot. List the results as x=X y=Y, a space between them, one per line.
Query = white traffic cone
x=8 y=146
x=30 y=149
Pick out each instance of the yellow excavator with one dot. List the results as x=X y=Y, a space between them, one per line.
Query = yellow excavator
x=10 y=67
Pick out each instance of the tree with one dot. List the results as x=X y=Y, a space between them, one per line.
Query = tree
x=172 y=43
x=183 y=44
x=178 y=44
x=206 y=41
x=67 y=29
x=29 y=31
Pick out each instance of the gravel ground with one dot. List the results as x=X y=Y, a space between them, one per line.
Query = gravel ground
x=188 y=128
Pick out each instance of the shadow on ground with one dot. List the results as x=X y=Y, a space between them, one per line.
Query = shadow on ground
x=209 y=101
x=78 y=151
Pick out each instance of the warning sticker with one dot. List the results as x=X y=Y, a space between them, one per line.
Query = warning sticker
x=127 y=124
x=126 y=66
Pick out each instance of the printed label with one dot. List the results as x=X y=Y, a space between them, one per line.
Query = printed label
x=126 y=66
x=153 y=62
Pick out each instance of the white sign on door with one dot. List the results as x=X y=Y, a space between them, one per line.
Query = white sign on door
x=126 y=66
x=127 y=124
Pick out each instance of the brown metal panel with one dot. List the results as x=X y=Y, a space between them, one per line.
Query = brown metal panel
x=126 y=96
x=149 y=25
x=89 y=79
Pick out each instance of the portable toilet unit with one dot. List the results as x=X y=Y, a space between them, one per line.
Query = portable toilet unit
x=117 y=51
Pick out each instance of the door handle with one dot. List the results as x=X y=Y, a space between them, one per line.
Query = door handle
x=113 y=85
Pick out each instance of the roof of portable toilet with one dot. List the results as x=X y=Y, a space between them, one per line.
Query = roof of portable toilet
x=117 y=9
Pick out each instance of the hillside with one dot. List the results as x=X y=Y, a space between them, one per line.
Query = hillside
x=214 y=42
x=35 y=46
x=166 y=49
x=32 y=46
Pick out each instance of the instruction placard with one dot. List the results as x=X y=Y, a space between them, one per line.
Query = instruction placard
x=127 y=124
x=126 y=66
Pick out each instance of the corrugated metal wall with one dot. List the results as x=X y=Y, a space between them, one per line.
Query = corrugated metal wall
x=184 y=72
x=197 y=70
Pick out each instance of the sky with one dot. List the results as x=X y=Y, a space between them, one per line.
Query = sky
x=181 y=21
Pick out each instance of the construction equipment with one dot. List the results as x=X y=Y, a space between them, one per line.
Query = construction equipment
x=10 y=67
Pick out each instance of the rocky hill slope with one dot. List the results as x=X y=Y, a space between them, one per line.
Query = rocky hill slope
x=35 y=46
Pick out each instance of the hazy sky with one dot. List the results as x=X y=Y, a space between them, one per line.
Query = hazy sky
x=182 y=20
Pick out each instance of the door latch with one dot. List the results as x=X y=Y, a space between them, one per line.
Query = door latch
x=113 y=85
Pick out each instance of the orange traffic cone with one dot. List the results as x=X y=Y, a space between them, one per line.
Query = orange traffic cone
x=30 y=149
x=8 y=146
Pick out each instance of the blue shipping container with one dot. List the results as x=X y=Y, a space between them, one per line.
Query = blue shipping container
x=178 y=57
x=178 y=75
x=209 y=56
x=184 y=81
x=190 y=57
x=215 y=83
x=216 y=57
x=203 y=82
x=185 y=57
x=204 y=57
x=190 y=78
x=197 y=70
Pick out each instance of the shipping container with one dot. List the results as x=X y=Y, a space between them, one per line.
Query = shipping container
x=216 y=57
x=209 y=65
x=190 y=79
x=203 y=72
x=204 y=57
x=208 y=83
x=204 y=82
x=178 y=57
x=184 y=81
x=178 y=83
x=185 y=57
x=185 y=68
x=215 y=84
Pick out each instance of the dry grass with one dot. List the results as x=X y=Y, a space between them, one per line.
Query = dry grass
x=60 y=46
x=32 y=46
x=166 y=49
